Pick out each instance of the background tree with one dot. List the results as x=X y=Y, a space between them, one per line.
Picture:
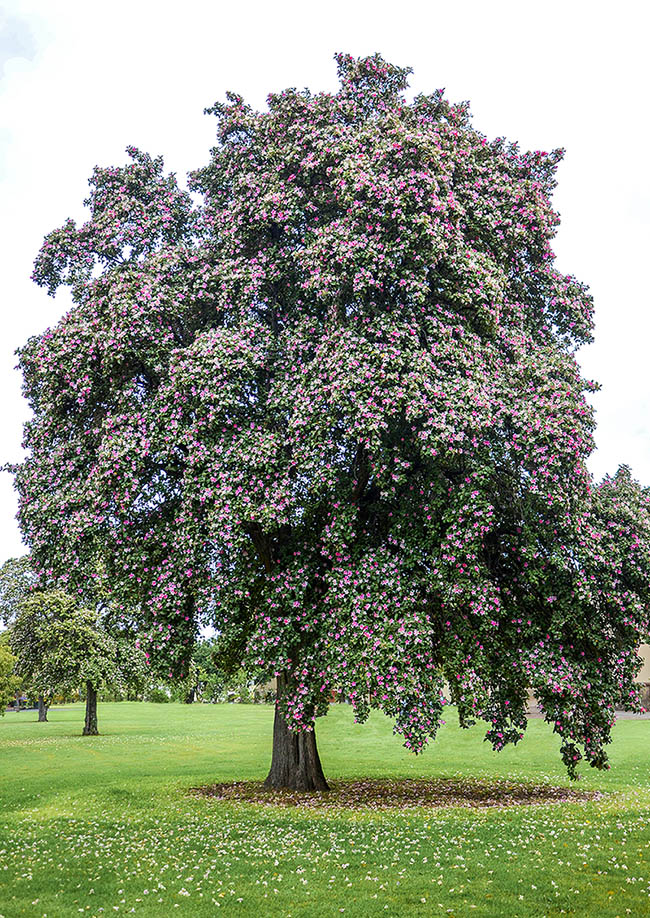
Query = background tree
x=189 y=688
x=61 y=646
x=208 y=681
x=17 y=580
x=10 y=683
x=334 y=411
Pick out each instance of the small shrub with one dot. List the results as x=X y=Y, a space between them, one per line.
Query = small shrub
x=157 y=695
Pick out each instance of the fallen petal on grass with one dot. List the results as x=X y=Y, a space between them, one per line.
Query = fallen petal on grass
x=385 y=793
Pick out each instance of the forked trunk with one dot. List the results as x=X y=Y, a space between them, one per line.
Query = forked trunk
x=295 y=763
x=90 y=726
x=42 y=709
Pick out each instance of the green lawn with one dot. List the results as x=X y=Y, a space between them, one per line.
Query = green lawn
x=104 y=825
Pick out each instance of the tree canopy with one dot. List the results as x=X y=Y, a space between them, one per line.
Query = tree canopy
x=334 y=410
x=17 y=578
x=61 y=646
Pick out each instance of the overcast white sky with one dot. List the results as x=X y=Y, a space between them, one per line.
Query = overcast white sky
x=81 y=80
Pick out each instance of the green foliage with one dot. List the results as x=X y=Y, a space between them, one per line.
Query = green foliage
x=10 y=683
x=212 y=680
x=157 y=695
x=60 y=646
x=17 y=578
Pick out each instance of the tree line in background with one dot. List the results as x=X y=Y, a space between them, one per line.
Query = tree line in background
x=55 y=649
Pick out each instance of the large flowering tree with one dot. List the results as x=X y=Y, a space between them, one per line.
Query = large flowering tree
x=334 y=411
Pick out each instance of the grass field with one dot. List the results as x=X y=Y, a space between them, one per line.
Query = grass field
x=104 y=825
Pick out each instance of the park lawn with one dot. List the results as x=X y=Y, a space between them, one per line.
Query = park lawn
x=105 y=826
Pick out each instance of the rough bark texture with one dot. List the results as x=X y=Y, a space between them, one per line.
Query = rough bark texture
x=90 y=726
x=295 y=763
x=42 y=709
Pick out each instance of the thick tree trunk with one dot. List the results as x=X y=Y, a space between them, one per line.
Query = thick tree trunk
x=90 y=726
x=42 y=709
x=295 y=763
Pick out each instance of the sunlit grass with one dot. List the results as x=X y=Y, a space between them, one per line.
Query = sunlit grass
x=104 y=825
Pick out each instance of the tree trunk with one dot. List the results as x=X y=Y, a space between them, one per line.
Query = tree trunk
x=295 y=763
x=42 y=709
x=90 y=726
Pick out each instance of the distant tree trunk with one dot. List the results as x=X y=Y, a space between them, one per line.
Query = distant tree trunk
x=295 y=763
x=90 y=726
x=42 y=709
